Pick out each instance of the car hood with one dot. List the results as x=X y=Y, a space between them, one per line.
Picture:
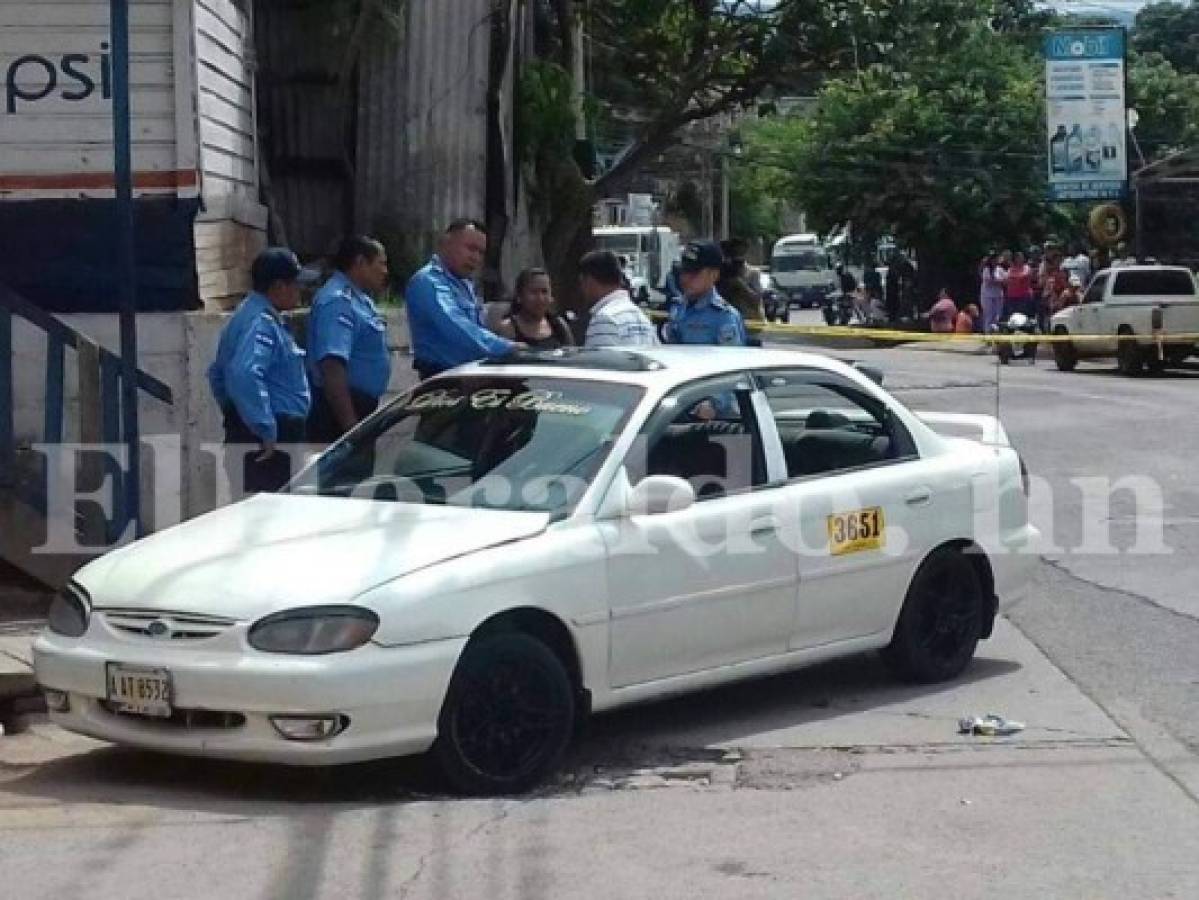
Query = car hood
x=276 y=552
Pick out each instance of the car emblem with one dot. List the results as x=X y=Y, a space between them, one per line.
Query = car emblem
x=158 y=629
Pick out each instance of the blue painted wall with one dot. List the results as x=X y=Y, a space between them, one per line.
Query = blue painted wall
x=61 y=254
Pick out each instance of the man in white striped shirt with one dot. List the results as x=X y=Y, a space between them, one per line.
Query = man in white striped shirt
x=616 y=321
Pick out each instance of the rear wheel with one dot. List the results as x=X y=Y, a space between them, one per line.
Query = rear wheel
x=507 y=717
x=1064 y=353
x=941 y=621
x=1129 y=359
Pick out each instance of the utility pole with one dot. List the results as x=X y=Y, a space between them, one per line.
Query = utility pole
x=709 y=226
x=126 y=260
x=725 y=229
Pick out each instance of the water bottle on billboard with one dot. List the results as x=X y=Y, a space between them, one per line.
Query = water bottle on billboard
x=1094 y=149
x=1058 y=155
x=1075 y=150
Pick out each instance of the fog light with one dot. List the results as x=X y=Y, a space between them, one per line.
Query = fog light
x=57 y=701
x=310 y=728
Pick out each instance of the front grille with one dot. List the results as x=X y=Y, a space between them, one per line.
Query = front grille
x=182 y=719
x=166 y=626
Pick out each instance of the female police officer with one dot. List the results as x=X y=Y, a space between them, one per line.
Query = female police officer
x=348 y=356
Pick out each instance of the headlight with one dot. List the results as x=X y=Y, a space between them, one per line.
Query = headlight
x=314 y=631
x=70 y=611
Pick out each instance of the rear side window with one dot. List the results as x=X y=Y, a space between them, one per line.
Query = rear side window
x=827 y=425
x=1155 y=283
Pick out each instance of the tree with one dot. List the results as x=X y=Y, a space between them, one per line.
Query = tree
x=682 y=61
x=1171 y=29
x=944 y=150
x=1167 y=104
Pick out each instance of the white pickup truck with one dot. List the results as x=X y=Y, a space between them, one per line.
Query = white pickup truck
x=1134 y=311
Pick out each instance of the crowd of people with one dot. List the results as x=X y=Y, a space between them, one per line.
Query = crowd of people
x=1045 y=281
x=1037 y=284
x=272 y=393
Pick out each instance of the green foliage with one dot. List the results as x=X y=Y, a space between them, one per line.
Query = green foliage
x=946 y=153
x=545 y=110
x=1171 y=29
x=1167 y=102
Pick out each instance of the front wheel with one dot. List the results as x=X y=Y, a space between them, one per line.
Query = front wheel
x=507 y=717
x=1064 y=353
x=941 y=620
x=1129 y=359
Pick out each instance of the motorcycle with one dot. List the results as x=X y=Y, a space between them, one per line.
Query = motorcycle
x=838 y=309
x=1021 y=326
x=776 y=306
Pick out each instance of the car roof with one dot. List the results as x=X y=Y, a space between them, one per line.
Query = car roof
x=1145 y=268
x=655 y=366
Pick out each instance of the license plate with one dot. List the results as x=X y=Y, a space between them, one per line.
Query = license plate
x=856 y=532
x=145 y=692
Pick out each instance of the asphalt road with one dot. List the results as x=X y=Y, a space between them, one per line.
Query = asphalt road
x=1116 y=609
x=829 y=782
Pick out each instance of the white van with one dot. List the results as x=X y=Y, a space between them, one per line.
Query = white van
x=802 y=269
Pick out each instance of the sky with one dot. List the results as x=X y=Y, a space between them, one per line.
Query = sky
x=1122 y=10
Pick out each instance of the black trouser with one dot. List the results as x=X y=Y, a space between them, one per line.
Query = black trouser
x=322 y=424
x=270 y=474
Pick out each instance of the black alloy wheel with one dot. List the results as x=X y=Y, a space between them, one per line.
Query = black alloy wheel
x=941 y=621
x=507 y=718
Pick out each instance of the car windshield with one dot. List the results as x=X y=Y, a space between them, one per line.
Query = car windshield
x=803 y=261
x=527 y=444
x=1154 y=283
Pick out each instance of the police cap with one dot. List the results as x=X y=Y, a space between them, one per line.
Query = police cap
x=700 y=255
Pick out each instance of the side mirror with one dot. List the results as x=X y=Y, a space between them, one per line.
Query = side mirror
x=658 y=494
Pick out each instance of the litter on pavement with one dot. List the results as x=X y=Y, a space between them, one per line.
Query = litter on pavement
x=989 y=725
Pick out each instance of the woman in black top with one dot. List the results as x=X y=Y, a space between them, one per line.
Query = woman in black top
x=530 y=320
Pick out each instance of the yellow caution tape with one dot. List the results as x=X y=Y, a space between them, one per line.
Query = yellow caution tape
x=894 y=335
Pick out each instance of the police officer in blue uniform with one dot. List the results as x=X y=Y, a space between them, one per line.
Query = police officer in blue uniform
x=348 y=358
x=445 y=317
x=704 y=317
x=258 y=376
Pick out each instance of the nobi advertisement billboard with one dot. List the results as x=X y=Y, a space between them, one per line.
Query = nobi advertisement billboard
x=1084 y=88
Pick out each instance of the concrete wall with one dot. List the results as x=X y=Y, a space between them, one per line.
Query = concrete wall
x=176 y=348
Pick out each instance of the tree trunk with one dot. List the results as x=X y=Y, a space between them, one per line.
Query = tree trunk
x=935 y=272
x=565 y=228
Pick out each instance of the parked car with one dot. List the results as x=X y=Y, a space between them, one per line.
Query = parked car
x=1133 y=311
x=509 y=547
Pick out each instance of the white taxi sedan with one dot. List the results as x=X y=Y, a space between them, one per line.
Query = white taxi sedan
x=509 y=547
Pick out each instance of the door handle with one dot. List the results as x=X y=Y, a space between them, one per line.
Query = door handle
x=919 y=497
x=763 y=529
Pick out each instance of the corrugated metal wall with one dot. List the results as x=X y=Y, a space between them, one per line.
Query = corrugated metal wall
x=305 y=146
x=415 y=155
x=422 y=121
